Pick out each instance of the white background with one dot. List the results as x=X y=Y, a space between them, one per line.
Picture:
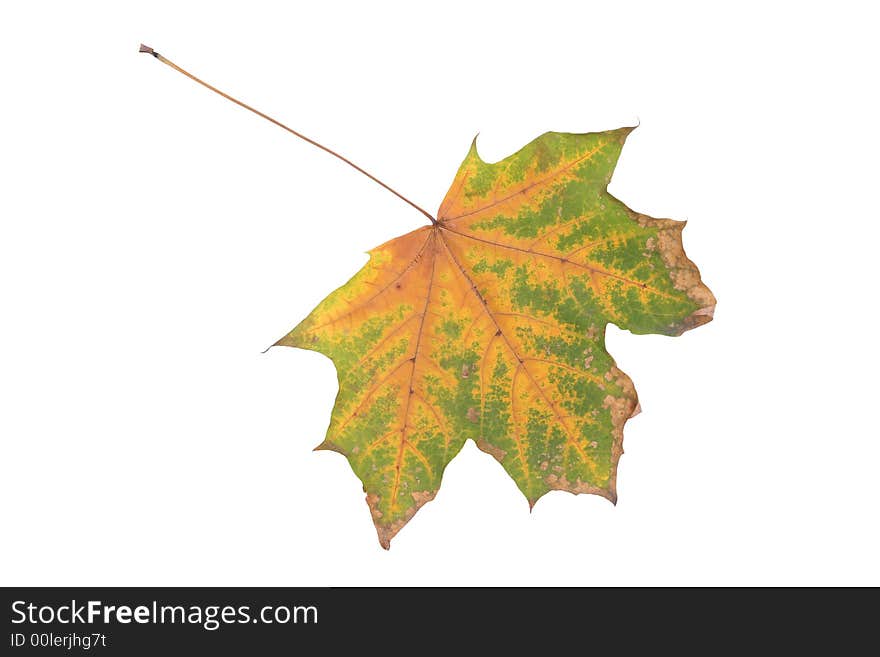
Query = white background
x=156 y=238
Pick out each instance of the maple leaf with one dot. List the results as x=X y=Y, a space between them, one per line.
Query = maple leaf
x=490 y=325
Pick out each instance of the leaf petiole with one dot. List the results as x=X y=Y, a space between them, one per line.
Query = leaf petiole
x=168 y=62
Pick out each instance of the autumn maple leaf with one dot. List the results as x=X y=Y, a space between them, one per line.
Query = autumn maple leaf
x=489 y=325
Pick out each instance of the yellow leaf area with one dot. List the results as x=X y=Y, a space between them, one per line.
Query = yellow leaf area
x=490 y=326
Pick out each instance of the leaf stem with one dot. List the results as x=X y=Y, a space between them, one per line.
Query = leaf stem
x=150 y=51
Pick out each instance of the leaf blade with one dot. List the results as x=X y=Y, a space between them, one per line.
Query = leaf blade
x=490 y=326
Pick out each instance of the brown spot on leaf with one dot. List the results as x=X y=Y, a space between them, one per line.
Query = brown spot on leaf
x=576 y=487
x=684 y=274
x=388 y=531
x=373 y=503
x=473 y=415
x=422 y=497
x=489 y=448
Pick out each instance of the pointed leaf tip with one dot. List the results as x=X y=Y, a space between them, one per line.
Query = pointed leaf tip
x=472 y=152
